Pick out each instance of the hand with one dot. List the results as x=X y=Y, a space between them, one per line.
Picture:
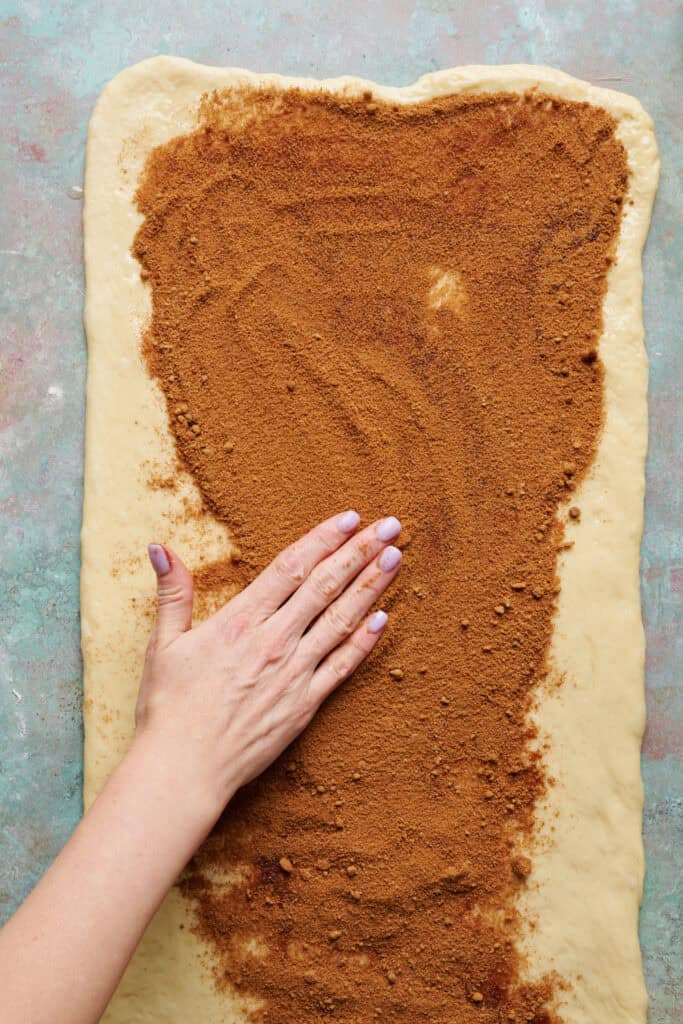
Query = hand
x=217 y=704
x=220 y=702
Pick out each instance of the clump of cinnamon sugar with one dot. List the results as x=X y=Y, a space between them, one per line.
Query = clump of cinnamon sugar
x=389 y=308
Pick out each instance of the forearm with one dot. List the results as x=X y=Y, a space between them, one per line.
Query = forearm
x=64 y=951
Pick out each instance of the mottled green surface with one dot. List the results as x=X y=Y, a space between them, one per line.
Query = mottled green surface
x=56 y=57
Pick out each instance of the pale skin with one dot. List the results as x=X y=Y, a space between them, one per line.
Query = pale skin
x=217 y=705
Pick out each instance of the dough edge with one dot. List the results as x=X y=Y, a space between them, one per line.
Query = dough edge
x=586 y=886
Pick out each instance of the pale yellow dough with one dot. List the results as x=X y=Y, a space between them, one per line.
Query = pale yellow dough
x=586 y=886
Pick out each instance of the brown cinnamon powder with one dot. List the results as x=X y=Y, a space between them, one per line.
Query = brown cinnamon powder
x=395 y=309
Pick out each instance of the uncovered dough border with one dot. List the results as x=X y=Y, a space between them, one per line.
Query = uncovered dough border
x=586 y=887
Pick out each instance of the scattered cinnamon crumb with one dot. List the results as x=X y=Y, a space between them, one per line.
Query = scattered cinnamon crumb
x=521 y=866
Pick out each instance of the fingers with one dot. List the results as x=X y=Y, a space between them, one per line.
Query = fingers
x=293 y=565
x=342 y=617
x=333 y=574
x=339 y=665
x=174 y=594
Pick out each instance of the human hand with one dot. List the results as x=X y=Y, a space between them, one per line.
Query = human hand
x=220 y=702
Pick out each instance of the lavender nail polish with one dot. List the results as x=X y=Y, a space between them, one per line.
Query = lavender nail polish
x=377 y=622
x=388 y=528
x=348 y=521
x=389 y=559
x=159 y=559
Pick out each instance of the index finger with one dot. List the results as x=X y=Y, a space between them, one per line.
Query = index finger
x=291 y=567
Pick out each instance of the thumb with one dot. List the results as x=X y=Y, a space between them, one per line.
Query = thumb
x=174 y=594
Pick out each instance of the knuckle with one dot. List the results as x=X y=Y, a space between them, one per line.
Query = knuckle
x=306 y=707
x=341 y=623
x=289 y=566
x=271 y=652
x=290 y=677
x=235 y=627
x=306 y=711
x=296 y=667
x=276 y=647
x=325 y=583
x=171 y=593
x=295 y=705
x=341 y=667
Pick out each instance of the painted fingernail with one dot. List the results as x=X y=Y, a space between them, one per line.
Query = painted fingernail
x=388 y=528
x=389 y=559
x=159 y=559
x=348 y=521
x=377 y=622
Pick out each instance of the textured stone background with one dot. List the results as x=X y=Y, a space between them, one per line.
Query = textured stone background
x=55 y=58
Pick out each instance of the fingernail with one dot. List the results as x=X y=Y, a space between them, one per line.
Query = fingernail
x=159 y=559
x=377 y=622
x=389 y=559
x=388 y=528
x=348 y=521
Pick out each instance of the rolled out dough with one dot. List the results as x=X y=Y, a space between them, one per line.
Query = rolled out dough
x=586 y=885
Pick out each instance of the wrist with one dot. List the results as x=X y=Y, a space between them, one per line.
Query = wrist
x=173 y=784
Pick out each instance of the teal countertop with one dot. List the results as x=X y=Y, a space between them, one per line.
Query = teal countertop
x=56 y=56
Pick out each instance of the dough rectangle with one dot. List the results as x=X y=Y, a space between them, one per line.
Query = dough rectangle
x=590 y=874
